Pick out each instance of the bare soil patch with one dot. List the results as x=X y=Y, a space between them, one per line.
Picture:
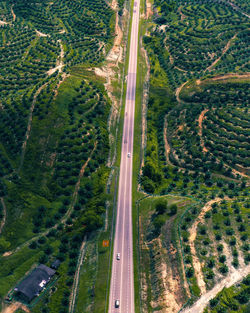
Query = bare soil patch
x=13 y=308
x=231 y=75
x=175 y=286
x=115 y=54
x=39 y=34
x=178 y=90
x=200 y=120
x=13 y=14
x=149 y=11
x=59 y=62
x=2 y=23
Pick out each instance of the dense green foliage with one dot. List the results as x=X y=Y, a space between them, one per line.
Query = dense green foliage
x=197 y=134
x=54 y=140
x=219 y=141
x=194 y=40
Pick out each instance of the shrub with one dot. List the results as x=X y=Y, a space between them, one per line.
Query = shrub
x=222 y=259
x=172 y=209
x=190 y=272
x=223 y=269
x=161 y=206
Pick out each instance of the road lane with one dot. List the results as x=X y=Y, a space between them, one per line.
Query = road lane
x=122 y=276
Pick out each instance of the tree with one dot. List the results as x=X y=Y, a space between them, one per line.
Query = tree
x=158 y=222
x=161 y=206
x=4 y=244
x=190 y=272
x=172 y=209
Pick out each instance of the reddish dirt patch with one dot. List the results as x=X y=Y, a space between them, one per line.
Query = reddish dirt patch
x=178 y=90
x=231 y=75
x=200 y=120
x=13 y=14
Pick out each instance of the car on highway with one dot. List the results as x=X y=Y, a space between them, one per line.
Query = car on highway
x=129 y=155
x=117 y=303
x=118 y=256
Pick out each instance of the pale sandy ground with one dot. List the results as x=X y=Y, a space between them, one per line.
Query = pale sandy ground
x=200 y=120
x=14 y=306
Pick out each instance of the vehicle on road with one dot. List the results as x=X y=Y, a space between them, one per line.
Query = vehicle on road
x=129 y=155
x=118 y=256
x=117 y=303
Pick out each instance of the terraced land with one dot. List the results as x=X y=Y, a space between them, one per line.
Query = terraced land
x=198 y=149
x=54 y=138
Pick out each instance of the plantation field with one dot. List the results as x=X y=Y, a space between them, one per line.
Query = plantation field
x=54 y=139
x=197 y=148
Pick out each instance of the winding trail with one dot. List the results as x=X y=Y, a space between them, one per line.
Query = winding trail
x=76 y=277
x=227 y=46
x=13 y=14
x=59 y=62
x=178 y=90
x=200 y=120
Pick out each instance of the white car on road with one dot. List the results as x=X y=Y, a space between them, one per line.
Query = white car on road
x=118 y=256
x=129 y=155
x=117 y=303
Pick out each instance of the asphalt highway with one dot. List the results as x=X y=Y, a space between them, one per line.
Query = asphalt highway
x=122 y=276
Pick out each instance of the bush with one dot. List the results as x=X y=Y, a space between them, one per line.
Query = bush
x=190 y=272
x=223 y=269
x=161 y=206
x=172 y=209
x=213 y=302
x=158 y=222
x=222 y=259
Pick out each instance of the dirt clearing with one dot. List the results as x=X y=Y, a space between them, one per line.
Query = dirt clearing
x=13 y=308
x=200 y=120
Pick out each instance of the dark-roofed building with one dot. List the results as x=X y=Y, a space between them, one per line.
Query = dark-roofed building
x=34 y=283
